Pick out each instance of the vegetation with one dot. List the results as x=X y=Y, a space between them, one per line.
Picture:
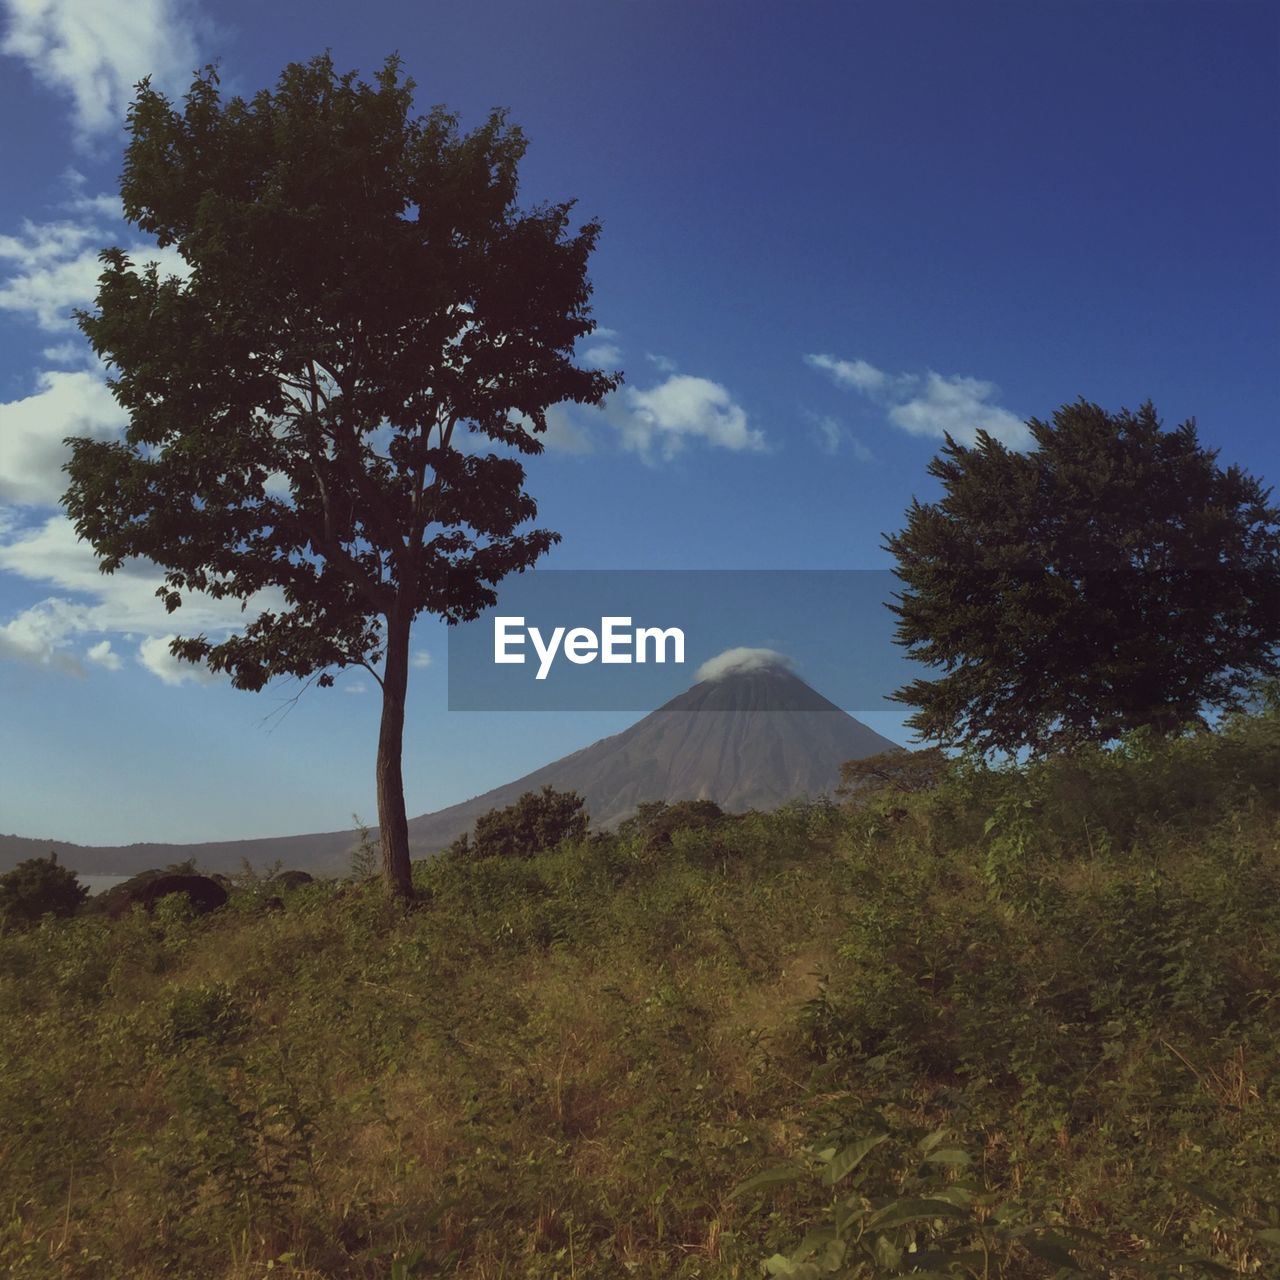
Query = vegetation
x=1027 y=1027
x=1112 y=578
x=363 y=293
x=894 y=771
x=537 y=821
x=656 y=822
x=38 y=887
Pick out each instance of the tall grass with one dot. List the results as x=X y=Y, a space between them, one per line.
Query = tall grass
x=1063 y=977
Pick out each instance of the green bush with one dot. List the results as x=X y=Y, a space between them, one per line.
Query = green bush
x=537 y=821
x=38 y=887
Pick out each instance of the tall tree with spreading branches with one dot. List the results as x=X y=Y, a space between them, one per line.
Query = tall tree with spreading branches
x=327 y=409
x=1112 y=577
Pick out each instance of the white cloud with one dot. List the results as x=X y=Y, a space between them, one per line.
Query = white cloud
x=153 y=653
x=664 y=364
x=605 y=355
x=51 y=268
x=69 y=352
x=103 y=654
x=740 y=660
x=421 y=659
x=46 y=271
x=660 y=421
x=43 y=633
x=95 y=52
x=65 y=403
x=123 y=603
x=934 y=405
x=857 y=374
x=356 y=686
x=666 y=417
x=959 y=407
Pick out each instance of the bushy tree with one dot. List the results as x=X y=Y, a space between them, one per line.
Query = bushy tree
x=656 y=821
x=38 y=887
x=312 y=407
x=1110 y=578
x=537 y=821
x=900 y=771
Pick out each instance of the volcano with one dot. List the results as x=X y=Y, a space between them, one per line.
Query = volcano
x=750 y=739
x=750 y=735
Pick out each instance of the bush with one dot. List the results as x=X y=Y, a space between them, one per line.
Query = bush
x=656 y=822
x=539 y=820
x=896 y=771
x=39 y=887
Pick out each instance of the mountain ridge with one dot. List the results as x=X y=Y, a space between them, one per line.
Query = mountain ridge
x=751 y=738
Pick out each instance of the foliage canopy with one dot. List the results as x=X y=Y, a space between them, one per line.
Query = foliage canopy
x=38 y=887
x=1113 y=577
x=537 y=821
x=313 y=406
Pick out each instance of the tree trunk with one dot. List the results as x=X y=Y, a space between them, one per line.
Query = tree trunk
x=393 y=826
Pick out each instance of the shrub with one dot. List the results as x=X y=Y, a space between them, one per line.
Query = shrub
x=896 y=771
x=39 y=887
x=537 y=821
x=656 y=822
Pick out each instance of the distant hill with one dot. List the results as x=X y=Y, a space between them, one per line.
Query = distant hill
x=751 y=738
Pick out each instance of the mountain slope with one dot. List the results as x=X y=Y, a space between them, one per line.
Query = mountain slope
x=750 y=739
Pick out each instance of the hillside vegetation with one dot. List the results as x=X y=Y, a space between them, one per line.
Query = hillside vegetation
x=1022 y=1024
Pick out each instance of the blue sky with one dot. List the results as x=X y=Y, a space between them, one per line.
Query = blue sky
x=831 y=232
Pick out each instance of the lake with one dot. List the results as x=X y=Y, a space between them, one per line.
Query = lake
x=100 y=884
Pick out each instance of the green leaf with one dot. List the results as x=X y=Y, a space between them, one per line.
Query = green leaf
x=900 y=1211
x=949 y=1155
x=817 y=1238
x=849 y=1159
x=1207 y=1197
x=774 y=1177
x=888 y=1255
x=788 y=1270
x=927 y=1144
x=1051 y=1248
x=1208 y=1264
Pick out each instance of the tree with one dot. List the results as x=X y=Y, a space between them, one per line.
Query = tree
x=38 y=887
x=655 y=821
x=1112 y=577
x=904 y=772
x=362 y=296
x=538 y=820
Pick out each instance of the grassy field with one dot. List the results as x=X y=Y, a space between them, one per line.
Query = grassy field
x=1024 y=1024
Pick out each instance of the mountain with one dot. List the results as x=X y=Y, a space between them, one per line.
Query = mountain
x=751 y=736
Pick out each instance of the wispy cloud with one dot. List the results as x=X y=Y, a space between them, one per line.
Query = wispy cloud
x=42 y=636
x=833 y=436
x=931 y=404
x=90 y=604
x=857 y=374
x=94 y=52
x=51 y=268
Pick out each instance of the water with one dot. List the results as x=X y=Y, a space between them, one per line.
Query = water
x=100 y=884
